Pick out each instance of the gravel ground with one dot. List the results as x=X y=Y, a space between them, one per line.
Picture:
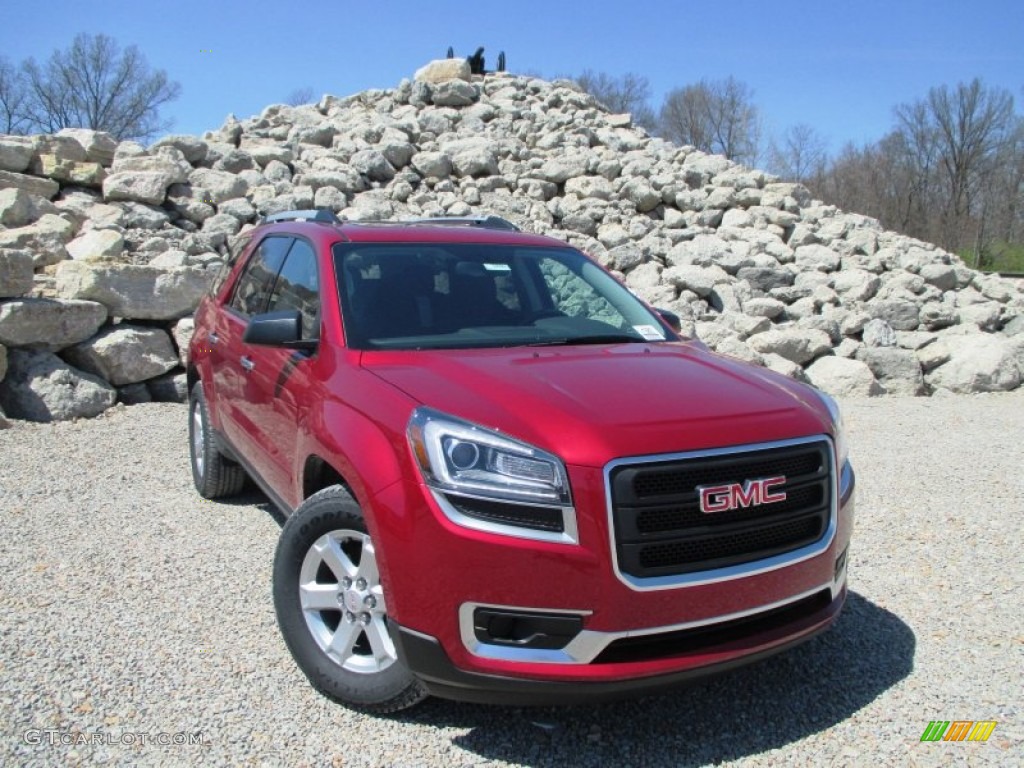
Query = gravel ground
x=130 y=608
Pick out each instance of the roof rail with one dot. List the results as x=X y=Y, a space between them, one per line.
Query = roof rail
x=487 y=222
x=325 y=215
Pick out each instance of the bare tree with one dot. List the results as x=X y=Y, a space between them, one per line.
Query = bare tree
x=299 y=96
x=716 y=116
x=12 y=99
x=798 y=154
x=627 y=93
x=94 y=84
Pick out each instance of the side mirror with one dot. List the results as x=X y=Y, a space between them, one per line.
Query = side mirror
x=278 y=329
x=671 y=318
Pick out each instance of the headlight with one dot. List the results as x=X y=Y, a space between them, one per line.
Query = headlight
x=839 y=429
x=457 y=456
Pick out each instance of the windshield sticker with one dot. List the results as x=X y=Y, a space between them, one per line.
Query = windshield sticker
x=649 y=332
x=497 y=267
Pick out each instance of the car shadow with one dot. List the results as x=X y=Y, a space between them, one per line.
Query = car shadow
x=745 y=712
x=252 y=496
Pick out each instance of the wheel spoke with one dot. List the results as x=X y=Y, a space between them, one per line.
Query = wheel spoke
x=381 y=606
x=368 y=562
x=380 y=641
x=344 y=640
x=340 y=564
x=319 y=597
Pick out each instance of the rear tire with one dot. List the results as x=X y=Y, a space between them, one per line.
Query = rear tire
x=214 y=475
x=332 y=609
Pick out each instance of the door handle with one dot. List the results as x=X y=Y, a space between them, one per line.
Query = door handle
x=247 y=363
x=212 y=337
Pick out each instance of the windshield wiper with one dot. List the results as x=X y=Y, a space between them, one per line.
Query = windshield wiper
x=603 y=338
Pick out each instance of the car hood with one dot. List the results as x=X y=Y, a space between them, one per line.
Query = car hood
x=590 y=404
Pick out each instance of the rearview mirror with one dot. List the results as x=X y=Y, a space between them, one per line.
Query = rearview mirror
x=671 y=318
x=278 y=329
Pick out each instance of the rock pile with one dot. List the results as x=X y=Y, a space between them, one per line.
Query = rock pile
x=105 y=247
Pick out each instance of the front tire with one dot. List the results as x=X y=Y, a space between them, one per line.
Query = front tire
x=332 y=610
x=214 y=475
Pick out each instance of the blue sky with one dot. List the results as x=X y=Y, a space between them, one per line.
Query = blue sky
x=837 y=66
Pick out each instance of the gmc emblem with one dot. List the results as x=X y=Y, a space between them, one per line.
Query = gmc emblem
x=722 y=498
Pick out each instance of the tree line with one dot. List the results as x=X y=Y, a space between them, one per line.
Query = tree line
x=950 y=170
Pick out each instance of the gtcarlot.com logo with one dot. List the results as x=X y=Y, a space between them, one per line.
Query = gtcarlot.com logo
x=52 y=737
x=958 y=730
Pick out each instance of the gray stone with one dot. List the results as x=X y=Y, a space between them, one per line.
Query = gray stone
x=138 y=186
x=182 y=335
x=125 y=354
x=942 y=276
x=799 y=345
x=49 y=324
x=936 y=315
x=372 y=164
x=779 y=364
x=39 y=386
x=16 y=208
x=169 y=388
x=817 y=257
x=443 y=70
x=766 y=278
x=764 y=307
x=900 y=314
x=878 y=333
x=217 y=186
x=856 y=284
x=45 y=239
x=472 y=157
x=97 y=146
x=16 y=153
x=31 y=184
x=977 y=363
x=192 y=147
x=16 y=271
x=132 y=291
x=436 y=164
x=897 y=370
x=97 y=245
x=843 y=377
x=454 y=93
x=700 y=280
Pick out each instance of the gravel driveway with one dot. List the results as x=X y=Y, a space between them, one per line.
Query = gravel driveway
x=133 y=610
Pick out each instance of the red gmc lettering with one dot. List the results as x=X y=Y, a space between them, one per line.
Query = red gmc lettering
x=722 y=498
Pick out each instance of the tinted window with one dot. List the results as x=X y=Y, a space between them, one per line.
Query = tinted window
x=253 y=289
x=413 y=296
x=298 y=287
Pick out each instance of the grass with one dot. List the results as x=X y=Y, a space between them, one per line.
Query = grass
x=998 y=257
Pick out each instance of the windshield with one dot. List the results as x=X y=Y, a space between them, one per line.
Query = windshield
x=460 y=296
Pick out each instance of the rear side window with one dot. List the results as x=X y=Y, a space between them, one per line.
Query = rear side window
x=252 y=292
x=298 y=287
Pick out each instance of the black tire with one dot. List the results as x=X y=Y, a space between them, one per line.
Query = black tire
x=214 y=475
x=347 y=655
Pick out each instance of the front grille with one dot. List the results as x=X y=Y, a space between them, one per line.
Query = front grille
x=660 y=529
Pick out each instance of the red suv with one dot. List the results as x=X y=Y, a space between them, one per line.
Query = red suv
x=507 y=479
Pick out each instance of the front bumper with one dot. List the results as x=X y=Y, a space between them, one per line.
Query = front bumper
x=427 y=660
x=632 y=643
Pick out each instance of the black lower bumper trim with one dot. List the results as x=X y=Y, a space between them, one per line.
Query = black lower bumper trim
x=427 y=660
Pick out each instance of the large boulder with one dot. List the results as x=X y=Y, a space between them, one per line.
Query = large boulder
x=132 y=291
x=98 y=146
x=49 y=324
x=801 y=346
x=16 y=208
x=96 y=245
x=977 y=363
x=39 y=386
x=442 y=70
x=46 y=239
x=843 y=377
x=125 y=354
x=16 y=271
x=31 y=184
x=897 y=370
x=16 y=153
